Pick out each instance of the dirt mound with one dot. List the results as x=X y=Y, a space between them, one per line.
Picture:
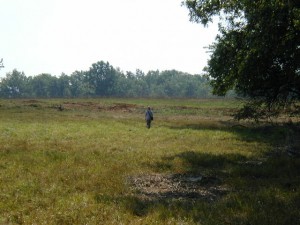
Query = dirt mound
x=177 y=186
x=80 y=105
x=30 y=101
x=98 y=107
x=122 y=107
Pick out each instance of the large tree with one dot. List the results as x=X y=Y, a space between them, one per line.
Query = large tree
x=14 y=85
x=44 y=86
x=102 y=78
x=257 y=52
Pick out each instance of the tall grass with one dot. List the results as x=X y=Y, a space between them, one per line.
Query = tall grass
x=73 y=166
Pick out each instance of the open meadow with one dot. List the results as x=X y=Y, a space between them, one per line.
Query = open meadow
x=94 y=162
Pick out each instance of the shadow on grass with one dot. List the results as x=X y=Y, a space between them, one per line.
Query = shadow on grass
x=221 y=189
x=264 y=133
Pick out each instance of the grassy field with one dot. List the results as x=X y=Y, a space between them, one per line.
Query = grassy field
x=95 y=162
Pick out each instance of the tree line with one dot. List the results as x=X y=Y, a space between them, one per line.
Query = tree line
x=103 y=80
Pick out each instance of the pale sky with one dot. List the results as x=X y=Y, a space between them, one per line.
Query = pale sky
x=62 y=36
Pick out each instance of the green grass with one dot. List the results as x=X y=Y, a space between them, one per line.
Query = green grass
x=73 y=166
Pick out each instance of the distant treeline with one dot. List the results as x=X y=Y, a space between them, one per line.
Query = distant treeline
x=103 y=80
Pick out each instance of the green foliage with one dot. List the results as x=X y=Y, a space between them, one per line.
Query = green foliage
x=43 y=86
x=257 y=51
x=14 y=85
x=102 y=79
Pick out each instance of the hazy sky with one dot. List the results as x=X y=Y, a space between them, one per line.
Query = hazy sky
x=61 y=36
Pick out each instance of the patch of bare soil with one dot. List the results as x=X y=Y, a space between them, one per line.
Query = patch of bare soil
x=177 y=186
x=80 y=105
x=98 y=107
x=122 y=107
x=31 y=101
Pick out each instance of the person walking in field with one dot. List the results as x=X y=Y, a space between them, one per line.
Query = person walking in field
x=148 y=117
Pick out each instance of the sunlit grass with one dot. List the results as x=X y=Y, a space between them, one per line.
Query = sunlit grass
x=72 y=166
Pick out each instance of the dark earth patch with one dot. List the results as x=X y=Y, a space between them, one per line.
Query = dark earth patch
x=177 y=186
x=98 y=107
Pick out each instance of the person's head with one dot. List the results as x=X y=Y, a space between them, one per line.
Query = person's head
x=149 y=108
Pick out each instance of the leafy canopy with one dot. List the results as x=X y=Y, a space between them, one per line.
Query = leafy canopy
x=257 y=52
